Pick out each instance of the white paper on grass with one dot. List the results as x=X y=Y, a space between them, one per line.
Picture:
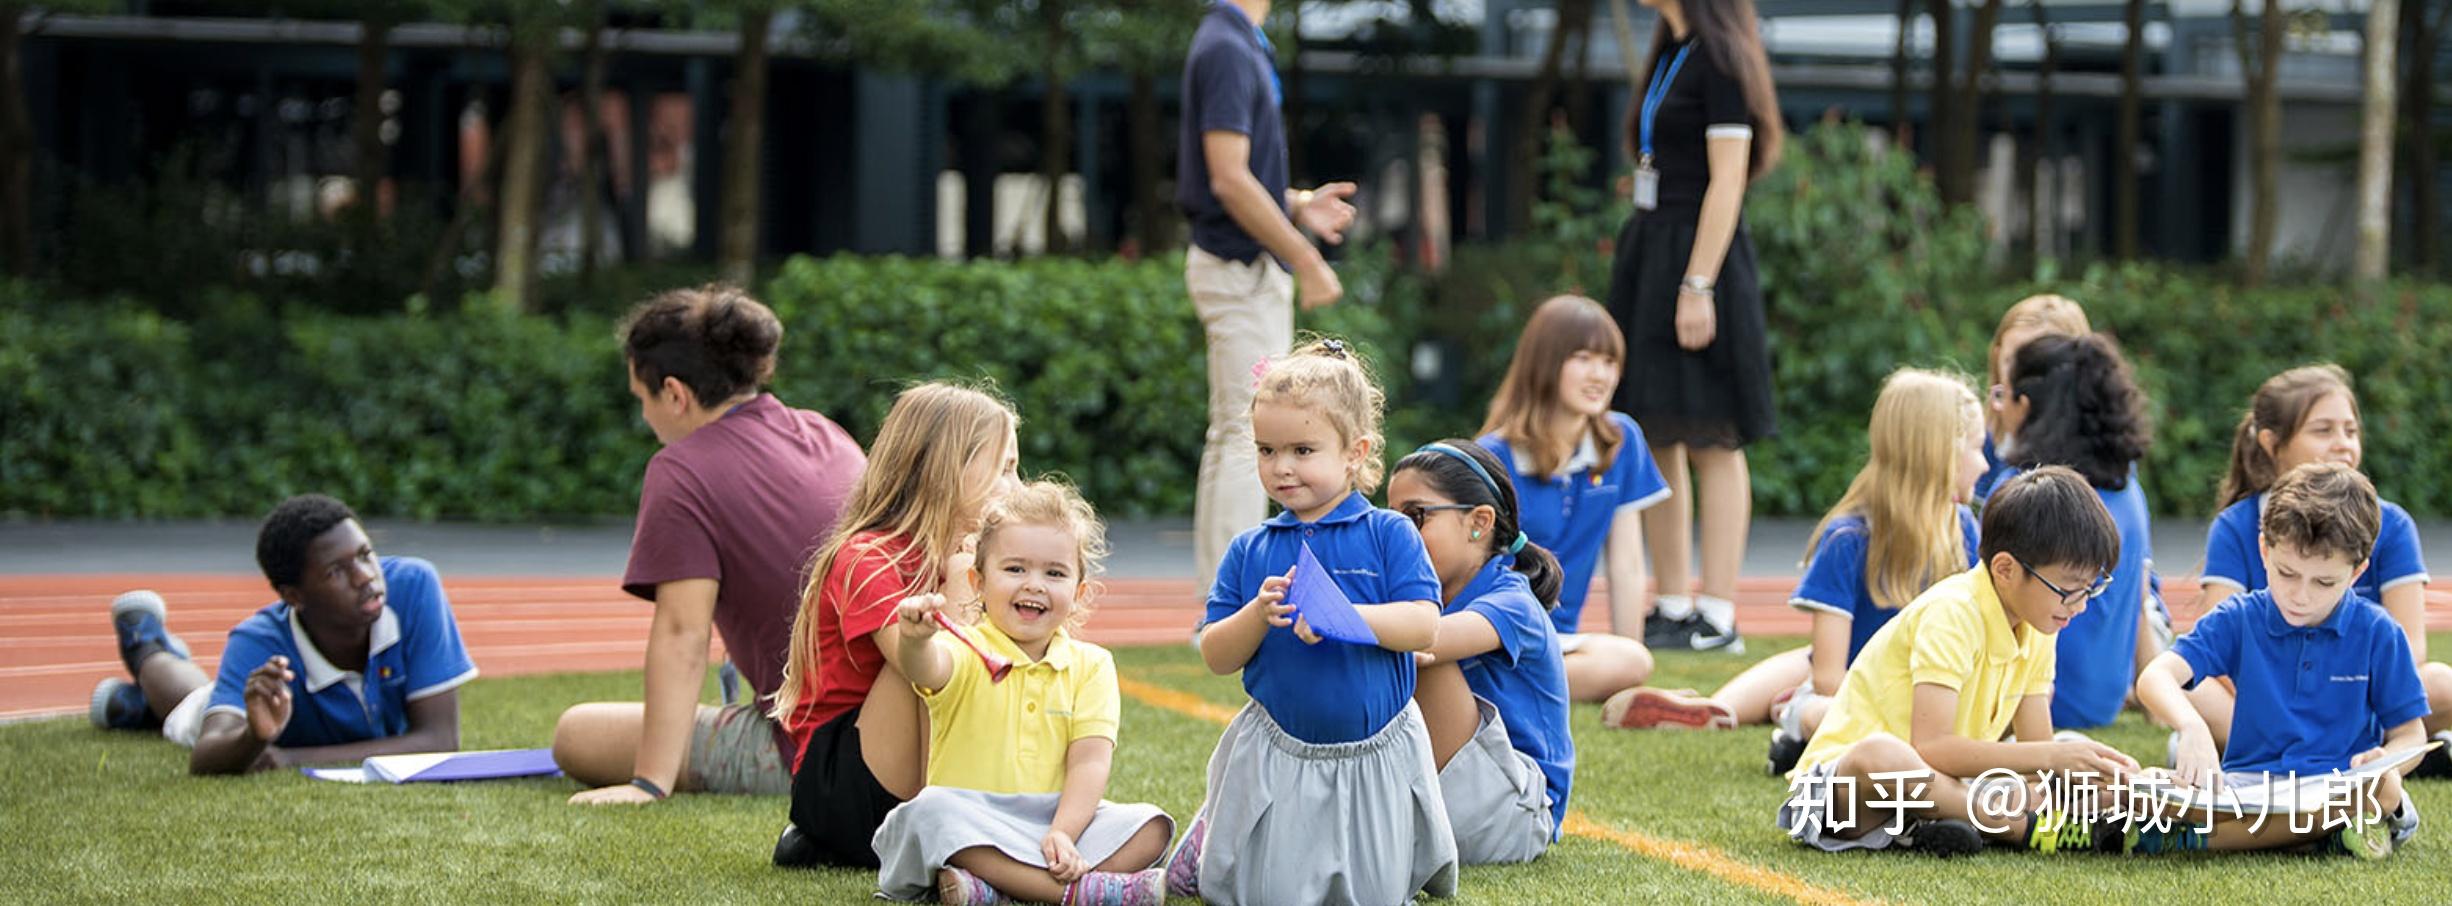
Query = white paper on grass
x=2280 y=794
x=344 y=775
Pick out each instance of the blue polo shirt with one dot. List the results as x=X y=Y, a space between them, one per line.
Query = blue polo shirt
x=1330 y=692
x=1230 y=84
x=1524 y=677
x=1995 y=471
x=414 y=653
x=1835 y=582
x=2231 y=557
x=2309 y=699
x=2098 y=649
x=1570 y=512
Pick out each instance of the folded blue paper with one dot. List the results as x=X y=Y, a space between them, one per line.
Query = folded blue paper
x=1318 y=600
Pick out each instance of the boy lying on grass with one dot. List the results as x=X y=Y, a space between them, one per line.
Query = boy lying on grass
x=359 y=657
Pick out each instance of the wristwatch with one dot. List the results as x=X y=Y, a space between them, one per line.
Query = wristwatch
x=1697 y=284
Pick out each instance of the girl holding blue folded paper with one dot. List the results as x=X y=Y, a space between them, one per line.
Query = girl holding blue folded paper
x=1494 y=688
x=1323 y=789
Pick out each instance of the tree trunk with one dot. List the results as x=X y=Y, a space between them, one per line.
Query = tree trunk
x=1942 y=125
x=2417 y=101
x=16 y=149
x=1579 y=85
x=1523 y=158
x=744 y=141
x=2375 y=145
x=2261 y=67
x=1298 y=161
x=1144 y=124
x=523 y=177
x=1900 y=119
x=592 y=146
x=1055 y=127
x=368 y=162
x=1967 y=117
x=2041 y=225
x=2125 y=208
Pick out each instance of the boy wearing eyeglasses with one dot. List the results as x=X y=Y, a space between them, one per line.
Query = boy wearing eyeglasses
x=2324 y=683
x=1928 y=701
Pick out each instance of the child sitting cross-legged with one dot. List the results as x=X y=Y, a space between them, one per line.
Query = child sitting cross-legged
x=1926 y=702
x=2325 y=681
x=1018 y=765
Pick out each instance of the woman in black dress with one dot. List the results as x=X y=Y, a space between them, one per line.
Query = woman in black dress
x=1683 y=289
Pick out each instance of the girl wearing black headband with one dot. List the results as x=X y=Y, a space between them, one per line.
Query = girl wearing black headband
x=1493 y=690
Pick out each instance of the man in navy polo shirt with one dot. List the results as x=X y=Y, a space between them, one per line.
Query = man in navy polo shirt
x=1231 y=179
x=359 y=657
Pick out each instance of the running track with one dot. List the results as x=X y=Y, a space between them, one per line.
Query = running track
x=56 y=641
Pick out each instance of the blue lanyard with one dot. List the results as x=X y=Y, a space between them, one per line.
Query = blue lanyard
x=1657 y=92
x=1277 y=83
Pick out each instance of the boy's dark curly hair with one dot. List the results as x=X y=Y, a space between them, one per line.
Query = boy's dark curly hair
x=2085 y=409
x=281 y=545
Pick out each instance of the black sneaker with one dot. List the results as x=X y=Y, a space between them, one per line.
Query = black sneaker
x=1690 y=633
x=1785 y=750
x=793 y=850
x=120 y=705
x=2437 y=764
x=1941 y=838
x=1662 y=632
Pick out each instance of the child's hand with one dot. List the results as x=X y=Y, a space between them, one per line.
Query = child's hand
x=1064 y=863
x=2088 y=756
x=1423 y=659
x=958 y=565
x=2198 y=766
x=915 y=617
x=1302 y=630
x=268 y=701
x=2367 y=756
x=1272 y=599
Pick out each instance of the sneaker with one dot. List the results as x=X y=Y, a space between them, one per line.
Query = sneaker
x=1645 y=708
x=793 y=850
x=2056 y=831
x=1785 y=750
x=2437 y=764
x=141 y=622
x=1692 y=633
x=1941 y=838
x=1664 y=632
x=1118 y=888
x=956 y=887
x=1183 y=866
x=120 y=705
x=2366 y=841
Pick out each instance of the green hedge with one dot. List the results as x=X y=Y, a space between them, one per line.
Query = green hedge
x=112 y=409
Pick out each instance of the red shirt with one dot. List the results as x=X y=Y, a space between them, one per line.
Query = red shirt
x=857 y=599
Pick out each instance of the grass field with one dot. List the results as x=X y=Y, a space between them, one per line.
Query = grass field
x=1666 y=817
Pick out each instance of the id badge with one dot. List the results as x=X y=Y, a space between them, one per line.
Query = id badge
x=1647 y=188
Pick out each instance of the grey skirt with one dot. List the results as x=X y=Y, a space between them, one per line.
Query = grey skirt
x=918 y=836
x=1358 y=823
x=1498 y=800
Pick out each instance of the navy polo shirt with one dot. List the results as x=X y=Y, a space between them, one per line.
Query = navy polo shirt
x=1835 y=582
x=1230 y=84
x=2231 y=557
x=414 y=652
x=2098 y=649
x=2309 y=699
x=1330 y=692
x=1569 y=513
x=1525 y=677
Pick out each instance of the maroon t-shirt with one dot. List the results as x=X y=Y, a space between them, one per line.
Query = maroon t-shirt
x=746 y=501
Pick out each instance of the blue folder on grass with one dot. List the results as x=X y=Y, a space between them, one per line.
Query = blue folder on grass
x=436 y=767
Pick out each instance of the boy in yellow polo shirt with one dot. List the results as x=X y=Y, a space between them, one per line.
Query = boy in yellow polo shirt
x=1929 y=699
x=1017 y=764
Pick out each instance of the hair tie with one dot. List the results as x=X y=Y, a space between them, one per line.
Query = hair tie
x=1518 y=546
x=1335 y=348
x=1444 y=449
x=1260 y=371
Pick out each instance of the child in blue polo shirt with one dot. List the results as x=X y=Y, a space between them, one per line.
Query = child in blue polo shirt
x=1494 y=689
x=2324 y=680
x=2309 y=414
x=1583 y=476
x=360 y=657
x=1323 y=788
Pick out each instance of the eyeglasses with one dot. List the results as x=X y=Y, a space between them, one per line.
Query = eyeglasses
x=2091 y=591
x=1421 y=514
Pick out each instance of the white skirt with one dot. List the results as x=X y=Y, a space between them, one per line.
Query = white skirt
x=1359 y=823
x=918 y=836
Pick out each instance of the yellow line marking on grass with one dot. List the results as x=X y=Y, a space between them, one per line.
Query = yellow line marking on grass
x=1689 y=856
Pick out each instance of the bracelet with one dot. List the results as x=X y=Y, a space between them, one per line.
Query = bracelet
x=1302 y=198
x=649 y=787
x=1701 y=286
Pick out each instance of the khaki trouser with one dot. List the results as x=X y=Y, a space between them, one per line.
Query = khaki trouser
x=1247 y=310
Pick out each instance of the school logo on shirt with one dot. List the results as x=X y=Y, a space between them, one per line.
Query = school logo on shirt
x=2349 y=677
x=1353 y=571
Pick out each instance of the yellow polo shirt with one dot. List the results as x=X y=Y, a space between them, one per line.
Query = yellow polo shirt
x=1955 y=634
x=1011 y=737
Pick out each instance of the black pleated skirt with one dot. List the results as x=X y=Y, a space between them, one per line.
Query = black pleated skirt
x=1719 y=396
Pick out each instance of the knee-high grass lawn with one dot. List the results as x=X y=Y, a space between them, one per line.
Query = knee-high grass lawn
x=1666 y=818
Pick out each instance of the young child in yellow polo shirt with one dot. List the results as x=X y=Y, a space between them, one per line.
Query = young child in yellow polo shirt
x=1925 y=705
x=1017 y=767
